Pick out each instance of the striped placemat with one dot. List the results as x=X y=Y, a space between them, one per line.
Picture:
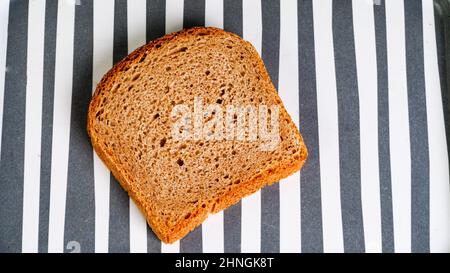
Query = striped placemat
x=364 y=81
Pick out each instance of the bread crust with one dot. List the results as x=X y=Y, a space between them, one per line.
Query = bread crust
x=273 y=173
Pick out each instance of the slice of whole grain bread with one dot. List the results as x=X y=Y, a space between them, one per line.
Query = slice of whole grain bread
x=177 y=183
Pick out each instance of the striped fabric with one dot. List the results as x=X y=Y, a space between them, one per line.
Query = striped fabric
x=364 y=82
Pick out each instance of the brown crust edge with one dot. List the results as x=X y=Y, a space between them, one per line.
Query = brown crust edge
x=268 y=176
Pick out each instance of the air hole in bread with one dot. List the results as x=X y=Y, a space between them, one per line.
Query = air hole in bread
x=143 y=58
x=162 y=142
x=99 y=113
x=181 y=49
x=135 y=77
x=183 y=146
x=180 y=162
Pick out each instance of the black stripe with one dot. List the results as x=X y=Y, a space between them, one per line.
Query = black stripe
x=232 y=21
x=120 y=43
x=348 y=118
x=156 y=27
x=156 y=19
x=13 y=134
x=270 y=195
x=311 y=204
x=384 y=155
x=192 y=243
x=51 y=14
x=442 y=28
x=153 y=243
x=194 y=15
x=119 y=204
x=80 y=212
x=232 y=16
x=418 y=129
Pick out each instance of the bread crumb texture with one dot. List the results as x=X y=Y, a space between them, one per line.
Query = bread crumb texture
x=176 y=184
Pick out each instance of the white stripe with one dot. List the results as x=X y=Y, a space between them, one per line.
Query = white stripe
x=33 y=122
x=328 y=127
x=174 y=15
x=290 y=234
x=4 y=16
x=399 y=125
x=102 y=62
x=214 y=13
x=61 y=124
x=136 y=16
x=212 y=228
x=174 y=22
x=439 y=169
x=138 y=230
x=366 y=63
x=251 y=205
x=170 y=248
x=213 y=233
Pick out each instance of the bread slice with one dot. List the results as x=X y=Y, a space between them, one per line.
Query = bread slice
x=177 y=183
